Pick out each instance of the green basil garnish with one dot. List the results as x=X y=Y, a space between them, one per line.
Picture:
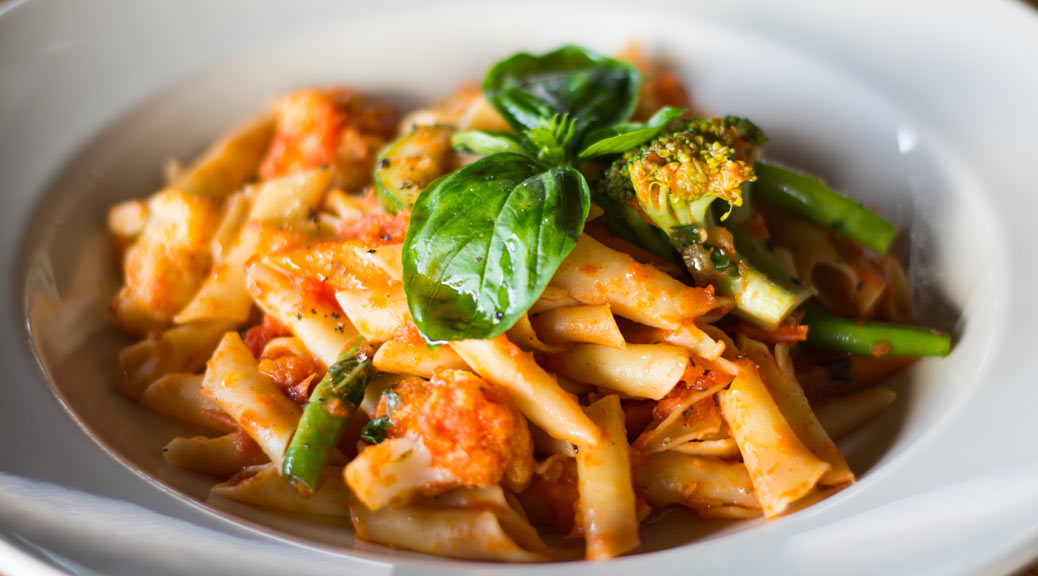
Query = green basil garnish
x=375 y=431
x=623 y=137
x=487 y=143
x=485 y=240
x=591 y=90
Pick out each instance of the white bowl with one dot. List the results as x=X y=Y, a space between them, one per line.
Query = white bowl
x=925 y=111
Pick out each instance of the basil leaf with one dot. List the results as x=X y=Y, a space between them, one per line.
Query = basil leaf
x=552 y=139
x=594 y=90
x=375 y=431
x=623 y=137
x=485 y=240
x=487 y=143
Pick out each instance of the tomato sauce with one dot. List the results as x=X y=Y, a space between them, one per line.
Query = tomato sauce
x=256 y=338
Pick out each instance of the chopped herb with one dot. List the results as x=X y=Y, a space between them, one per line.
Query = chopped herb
x=376 y=430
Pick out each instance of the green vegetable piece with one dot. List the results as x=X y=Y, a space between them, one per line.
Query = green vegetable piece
x=623 y=137
x=722 y=261
x=626 y=222
x=672 y=182
x=614 y=193
x=375 y=431
x=332 y=403
x=487 y=143
x=765 y=293
x=485 y=240
x=871 y=338
x=569 y=85
x=552 y=138
x=809 y=197
x=410 y=163
x=678 y=175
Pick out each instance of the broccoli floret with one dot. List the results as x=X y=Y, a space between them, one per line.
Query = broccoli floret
x=666 y=188
x=623 y=215
x=672 y=180
x=676 y=176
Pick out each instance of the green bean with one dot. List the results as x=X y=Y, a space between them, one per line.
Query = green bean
x=810 y=198
x=331 y=405
x=871 y=338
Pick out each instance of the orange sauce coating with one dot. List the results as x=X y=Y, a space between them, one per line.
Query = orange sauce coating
x=470 y=426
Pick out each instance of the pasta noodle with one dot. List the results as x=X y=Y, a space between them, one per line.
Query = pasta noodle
x=794 y=406
x=535 y=391
x=699 y=483
x=235 y=383
x=523 y=335
x=477 y=524
x=641 y=370
x=235 y=214
x=595 y=274
x=180 y=396
x=781 y=468
x=223 y=456
x=262 y=485
x=287 y=200
x=590 y=324
x=229 y=162
x=377 y=314
x=607 y=505
x=167 y=261
x=181 y=349
x=324 y=330
x=399 y=357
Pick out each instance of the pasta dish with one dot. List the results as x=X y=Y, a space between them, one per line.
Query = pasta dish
x=561 y=302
